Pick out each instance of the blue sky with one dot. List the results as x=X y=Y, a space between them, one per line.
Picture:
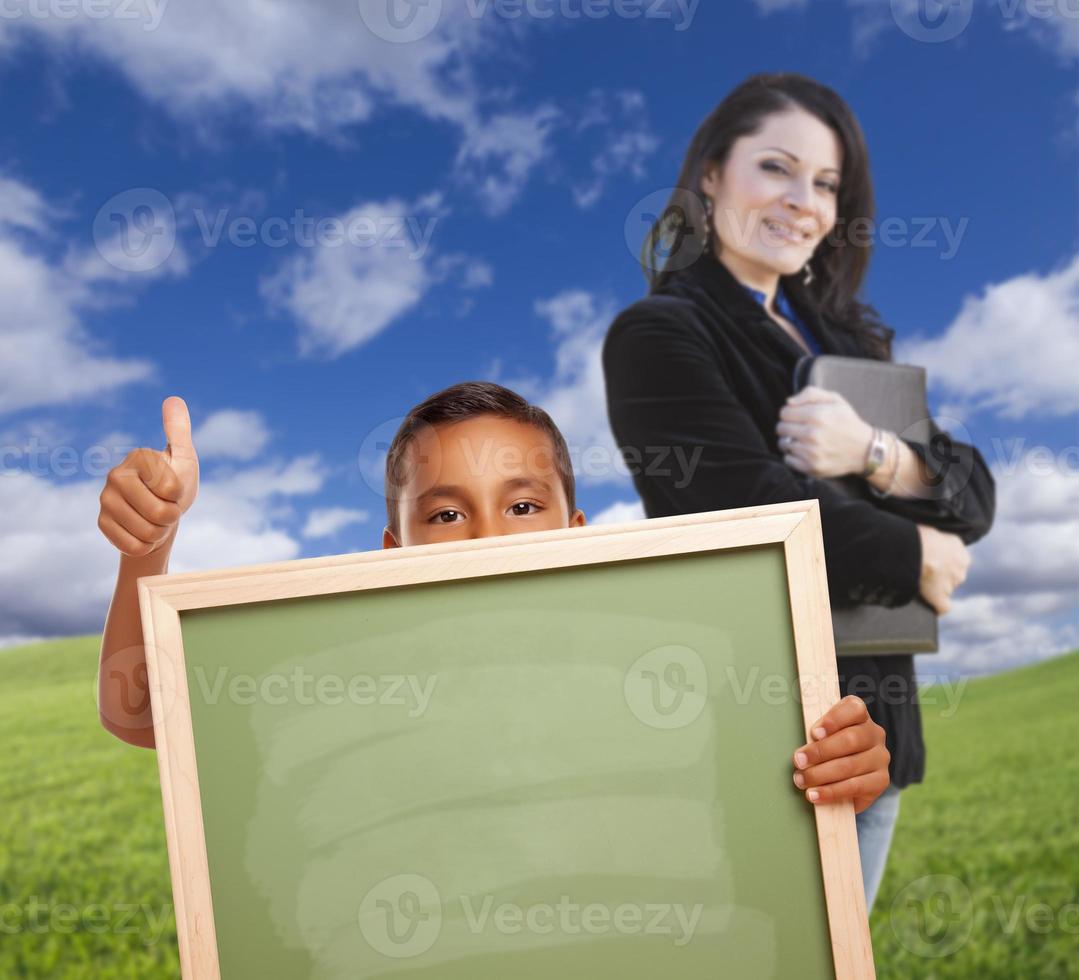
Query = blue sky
x=493 y=164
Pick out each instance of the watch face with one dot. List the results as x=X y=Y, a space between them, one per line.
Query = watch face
x=876 y=453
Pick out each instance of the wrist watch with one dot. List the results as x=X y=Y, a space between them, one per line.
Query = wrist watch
x=874 y=457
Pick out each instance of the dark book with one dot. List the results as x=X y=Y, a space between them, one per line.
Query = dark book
x=893 y=397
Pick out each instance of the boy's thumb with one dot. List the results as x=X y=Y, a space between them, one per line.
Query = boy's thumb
x=177 y=424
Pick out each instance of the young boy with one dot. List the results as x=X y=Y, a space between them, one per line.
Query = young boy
x=472 y=461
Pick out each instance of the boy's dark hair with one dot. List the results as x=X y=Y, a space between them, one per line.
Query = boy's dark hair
x=458 y=403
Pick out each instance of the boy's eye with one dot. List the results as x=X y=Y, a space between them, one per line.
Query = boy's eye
x=525 y=503
x=441 y=514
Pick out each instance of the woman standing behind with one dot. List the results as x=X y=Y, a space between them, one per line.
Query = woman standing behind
x=757 y=272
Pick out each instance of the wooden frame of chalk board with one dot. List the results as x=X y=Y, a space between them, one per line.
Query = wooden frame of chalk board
x=794 y=527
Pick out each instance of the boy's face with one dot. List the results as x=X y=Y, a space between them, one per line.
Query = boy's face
x=479 y=478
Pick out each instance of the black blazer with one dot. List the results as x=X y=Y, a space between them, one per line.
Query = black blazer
x=700 y=367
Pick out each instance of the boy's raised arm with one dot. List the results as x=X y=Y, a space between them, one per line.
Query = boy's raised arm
x=123 y=693
x=141 y=505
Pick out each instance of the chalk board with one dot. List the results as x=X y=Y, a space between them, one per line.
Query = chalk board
x=557 y=754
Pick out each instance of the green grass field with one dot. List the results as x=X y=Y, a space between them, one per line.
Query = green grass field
x=983 y=880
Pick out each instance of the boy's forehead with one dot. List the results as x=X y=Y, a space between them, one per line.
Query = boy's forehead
x=483 y=446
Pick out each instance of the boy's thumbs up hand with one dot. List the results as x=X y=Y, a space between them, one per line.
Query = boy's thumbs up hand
x=146 y=494
x=180 y=450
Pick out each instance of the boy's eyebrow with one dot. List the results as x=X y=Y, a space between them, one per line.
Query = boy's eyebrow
x=526 y=481
x=440 y=490
x=449 y=490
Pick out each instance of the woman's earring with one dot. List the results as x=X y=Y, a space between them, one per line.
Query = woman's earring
x=808 y=274
x=708 y=211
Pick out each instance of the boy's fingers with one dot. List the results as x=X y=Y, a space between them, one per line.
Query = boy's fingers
x=858 y=788
x=123 y=541
x=850 y=711
x=847 y=741
x=837 y=770
x=156 y=506
x=153 y=471
x=132 y=519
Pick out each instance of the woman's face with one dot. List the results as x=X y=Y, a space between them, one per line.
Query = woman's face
x=776 y=199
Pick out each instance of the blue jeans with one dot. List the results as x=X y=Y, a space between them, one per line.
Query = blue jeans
x=875 y=826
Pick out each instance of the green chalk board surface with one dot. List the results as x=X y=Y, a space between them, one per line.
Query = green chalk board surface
x=574 y=773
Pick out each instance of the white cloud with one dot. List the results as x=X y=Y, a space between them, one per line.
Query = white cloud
x=770 y=6
x=1034 y=543
x=497 y=156
x=478 y=275
x=317 y=67
x=43 y=303
x=575 y=395
x=628 y=141
x=343 y=295
x=49 y=535
x=324 y=522
x=42 y=334
x=17 y=640
x=1012 y=350
x=314 y=66
x=619 y=512
x=108 y=262
x=302 y=475
x=21 y=206
x=985 y=634
x=231 y=434
x=1054 y=24
x=1021 y=597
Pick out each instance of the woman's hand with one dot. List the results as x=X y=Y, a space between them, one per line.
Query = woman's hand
x=847 y=760
x=821 y=435
x=945 y=562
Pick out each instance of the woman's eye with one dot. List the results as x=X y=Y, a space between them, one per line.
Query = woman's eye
x=774 y=167
x=831 y=188
x=525 y=503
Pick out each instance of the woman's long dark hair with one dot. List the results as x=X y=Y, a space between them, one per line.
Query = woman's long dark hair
x=838 y=264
